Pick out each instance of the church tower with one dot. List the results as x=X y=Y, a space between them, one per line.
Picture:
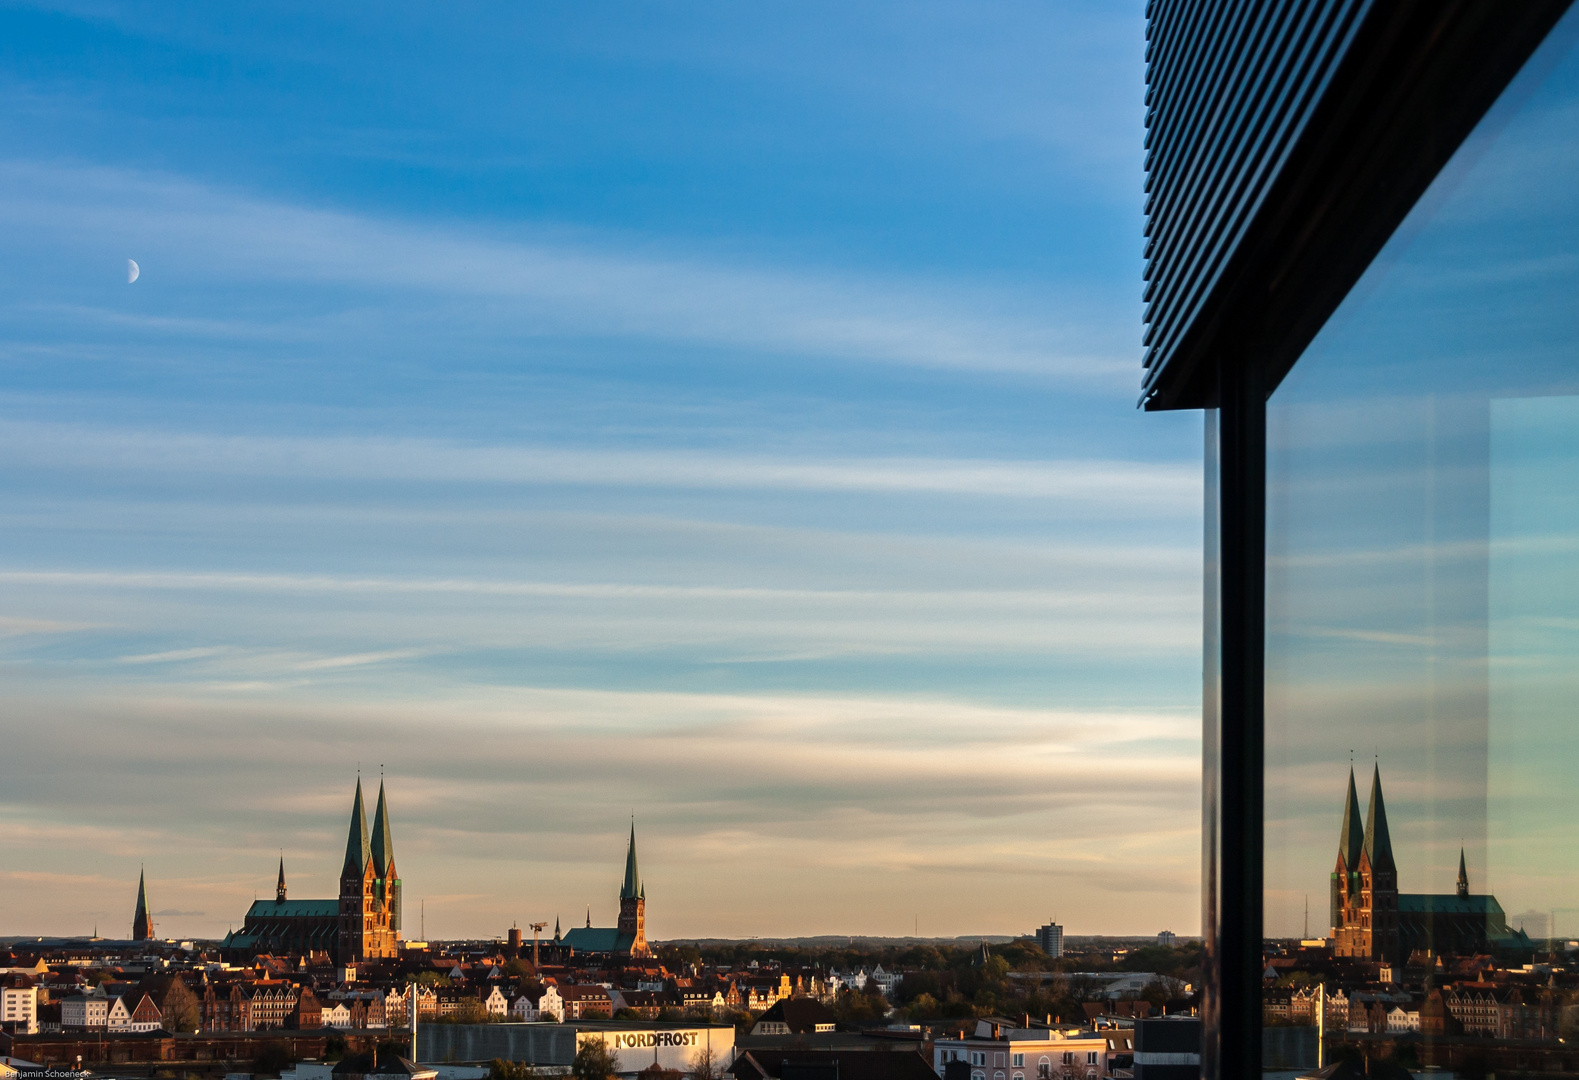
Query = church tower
x=383 y=843
x=142 y=921
x=279 y=887
x=633 y=902
x=1346 y=875
x=364 y=932
x=1368 y=920
x=1463 y=877
x=1379 y=875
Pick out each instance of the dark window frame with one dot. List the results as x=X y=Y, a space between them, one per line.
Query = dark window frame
x=1413 y=79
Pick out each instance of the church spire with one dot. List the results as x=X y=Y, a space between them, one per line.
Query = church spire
x=279 y=887
x=142 y=921
x=1463 y=875
x=632 y=887
x=383 y=842
x=357 y=849
x=1378 y=841
x=1352 y=835
x=556 y=928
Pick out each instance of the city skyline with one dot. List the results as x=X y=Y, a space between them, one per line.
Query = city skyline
x=292 y=876
x=723 y=414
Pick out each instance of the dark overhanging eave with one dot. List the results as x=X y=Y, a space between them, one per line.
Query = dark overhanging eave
x=1416 y=78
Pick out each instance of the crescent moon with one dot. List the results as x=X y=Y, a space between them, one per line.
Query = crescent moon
x=132 y=270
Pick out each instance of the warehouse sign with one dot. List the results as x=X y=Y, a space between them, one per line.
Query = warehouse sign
x=669 y=1048
x=646 y=1040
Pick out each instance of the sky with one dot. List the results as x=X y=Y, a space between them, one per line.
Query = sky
x=718 y=414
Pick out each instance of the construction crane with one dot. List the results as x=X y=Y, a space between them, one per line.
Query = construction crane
x=537 y=928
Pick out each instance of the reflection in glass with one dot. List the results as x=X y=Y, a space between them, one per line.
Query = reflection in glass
x=1422 y=804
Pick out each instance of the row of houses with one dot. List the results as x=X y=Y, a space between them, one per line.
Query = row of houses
x=1500 y=1012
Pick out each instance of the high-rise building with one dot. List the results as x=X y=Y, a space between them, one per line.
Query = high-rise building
x=1051 y=939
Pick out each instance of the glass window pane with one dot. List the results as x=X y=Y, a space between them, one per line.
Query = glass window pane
x=1423 y=623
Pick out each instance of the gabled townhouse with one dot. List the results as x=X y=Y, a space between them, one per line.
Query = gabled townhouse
x=119 y=1015
x=308 y=1013
x=1403 y=1018
x=550 y=1003
x=537 y=1002
x=146 y=1014
x=272 y=1003
x=494 y=1001
x=427 y=1001
x=395 y=1001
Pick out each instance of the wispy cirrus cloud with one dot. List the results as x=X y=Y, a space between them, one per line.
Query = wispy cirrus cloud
x=1134 y=486
x=546 y=285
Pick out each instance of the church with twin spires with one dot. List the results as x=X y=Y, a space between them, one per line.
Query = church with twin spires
x=362 y=923
x=1372 y=920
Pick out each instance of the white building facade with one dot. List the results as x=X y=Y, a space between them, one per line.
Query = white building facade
x=90 y=1010
x=1021 y=1054
x=19 y=1004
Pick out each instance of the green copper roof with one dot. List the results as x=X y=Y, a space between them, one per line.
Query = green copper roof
x=294 y=909
x=1353 y=834
x=1447 y=904
x=1378 y=841
x=632 y=887
x=599 y=939
x=383 y=840
x=357 y=848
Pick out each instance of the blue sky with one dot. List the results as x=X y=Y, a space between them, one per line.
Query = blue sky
x=720 y=413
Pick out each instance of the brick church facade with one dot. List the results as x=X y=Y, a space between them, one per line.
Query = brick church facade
x=362 y=923
x=628 y=937
x=1372 y=920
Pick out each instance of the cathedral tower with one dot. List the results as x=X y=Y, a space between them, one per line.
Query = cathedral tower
x=279 y=887
x=1346 y=875
x=365 y=931
x=1367 y=923
x=383 y=845
x=633 y=902
x=142 y=921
